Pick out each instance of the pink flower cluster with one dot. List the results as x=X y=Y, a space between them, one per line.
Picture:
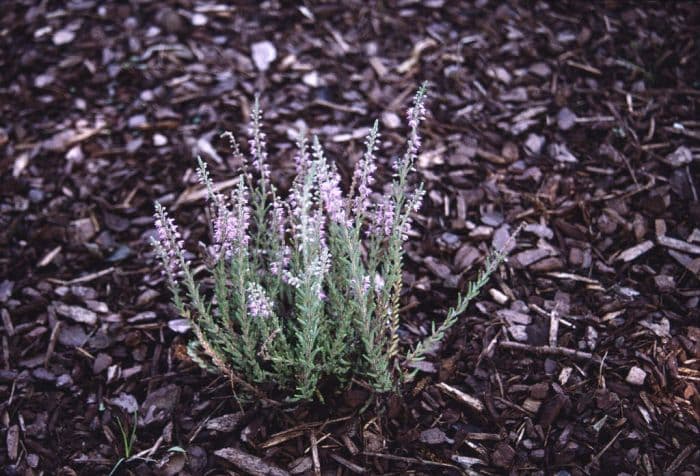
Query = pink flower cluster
x=415 y=115
x=301 y=158
x=363 y=175
x=329 y=187
x=231 y=225
x=169 y=243
x=414 y=204
x=258 y=144
x=384 y=216
x=259 y=304
x=282 y=255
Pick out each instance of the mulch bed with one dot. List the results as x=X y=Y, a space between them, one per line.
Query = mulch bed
x=579 y=120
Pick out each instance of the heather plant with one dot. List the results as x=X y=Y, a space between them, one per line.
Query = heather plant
x=306 y=283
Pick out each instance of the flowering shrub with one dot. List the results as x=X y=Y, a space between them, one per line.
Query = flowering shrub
x=304 y=287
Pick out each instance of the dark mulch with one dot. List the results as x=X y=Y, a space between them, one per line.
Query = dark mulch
x=578 y=119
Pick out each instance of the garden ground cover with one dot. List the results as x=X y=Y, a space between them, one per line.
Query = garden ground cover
x=578 y=120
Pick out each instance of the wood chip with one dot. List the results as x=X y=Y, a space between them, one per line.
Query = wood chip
x=77 y=313
x=693 y=265
x=636 y=376
x=630 y=254
x=678 y=245
x=12 y=442
x=418 y=49
x=249 y=463
x=224 y=423
x=49 y=257
x=7 y=324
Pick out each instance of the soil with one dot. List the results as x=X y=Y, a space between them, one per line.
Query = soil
x=578 y=120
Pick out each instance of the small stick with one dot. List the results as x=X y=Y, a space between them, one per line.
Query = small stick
x=52 y=342
x=596 y=457
x=553 y=327
x=692 y=184
x=349 y=464
x=549 y=350
x=82 y=279
x=297 y=431
x=468 y=400
x=678 y=460
x=483 y=436
x=515 y=406
x=405 y=459
x=7 y=322
x=314 y=453
x=488 y=350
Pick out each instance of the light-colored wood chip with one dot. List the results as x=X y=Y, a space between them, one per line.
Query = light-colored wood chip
x=630 y=254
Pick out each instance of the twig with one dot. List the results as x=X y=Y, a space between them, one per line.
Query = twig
x=488 y=350
x=596 y=457
x=147 y=453
x=82 y=279
x=405 y=459
x=549 y=350
x=678 y=460
x=339 y=107
x=692 y=184
x=468 y=400
x=348 y=464
x=286 y=435
x=201 y=424
x=314 y=453
x=8 y=326
x=483 y=436
x=553 y=327
x=515 y=406
x=52 y=342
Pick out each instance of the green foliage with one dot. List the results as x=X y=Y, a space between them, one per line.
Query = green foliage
x=128 y=440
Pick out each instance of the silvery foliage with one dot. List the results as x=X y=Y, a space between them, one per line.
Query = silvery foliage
x=305 y=287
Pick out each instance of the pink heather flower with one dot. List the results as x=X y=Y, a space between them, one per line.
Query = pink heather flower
x=301 y=158
x=383 y=218
x=281 y=261
x=291 y=279
x=378 y=282
x=318 y=269
x=258 y=145
x=363 y=175
x=414 y=203
x=319 y=220
x=203 y=175
x=329 y=187
x=231 y=226
x=233 y=143
x=416 y=200
x=279 y=222
x=259 y=304
x=279 y=219
x=363 y=288
x=415 y=115
x=169 y=243
x=300 y=202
